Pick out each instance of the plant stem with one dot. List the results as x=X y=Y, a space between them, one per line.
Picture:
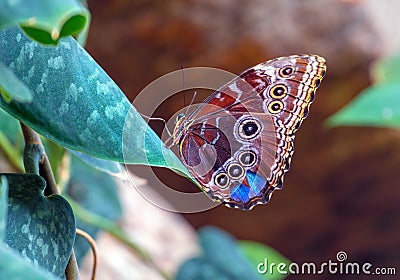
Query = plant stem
x=34 y=148
x=93 y=246
x=72 y=270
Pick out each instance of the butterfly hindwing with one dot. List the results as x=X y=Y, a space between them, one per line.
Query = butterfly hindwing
x=238 y=143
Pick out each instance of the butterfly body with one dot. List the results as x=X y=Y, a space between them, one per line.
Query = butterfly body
x=238 y=143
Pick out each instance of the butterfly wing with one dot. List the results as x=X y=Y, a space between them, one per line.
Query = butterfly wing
x=238 y=144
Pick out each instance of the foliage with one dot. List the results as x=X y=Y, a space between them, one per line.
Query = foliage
x=40 y=227
x=47 y=22
x=225 y=258
x=377 y=105
x=64 y=95
x=45 y=87
x=65 y=80
x=257 y=253
x=38 y=232
x=95 y=191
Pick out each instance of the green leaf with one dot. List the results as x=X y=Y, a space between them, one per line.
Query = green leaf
x=11 y=139
x=41 y=229
x=97 y=193
x=45 y=21
x=111 y=168
x=3 y=206
x=55 y=153
x=262 y=257
x=13 y=88
x=13 y=267
x=77 y=105
x=387 y=70
x=378 y=105
x=110 y=227
x=11 y=128
x=221 y=259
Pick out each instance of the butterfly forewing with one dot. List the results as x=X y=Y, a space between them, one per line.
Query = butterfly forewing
x=238 y=143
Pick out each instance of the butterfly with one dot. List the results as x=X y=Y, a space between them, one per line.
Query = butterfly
x=238 y=143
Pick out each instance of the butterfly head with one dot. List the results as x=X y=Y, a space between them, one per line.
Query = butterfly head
x=179 y=118
x=179 y=128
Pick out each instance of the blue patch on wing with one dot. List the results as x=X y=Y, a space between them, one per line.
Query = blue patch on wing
x=244 y=193
x=240 y=193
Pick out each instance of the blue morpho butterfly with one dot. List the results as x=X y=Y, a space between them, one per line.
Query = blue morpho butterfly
x=238 y=143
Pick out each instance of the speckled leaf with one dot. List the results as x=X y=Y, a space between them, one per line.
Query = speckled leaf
x=221 y=259
x=14 y=267
x=3 y=206
x=11 y=88
x=45 y=20
x=378 y=105
x=41 y=229
x=258 y=254
x=97 y=193
x=77 y=105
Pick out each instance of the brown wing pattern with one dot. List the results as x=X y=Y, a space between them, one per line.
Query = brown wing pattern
x=239 y=143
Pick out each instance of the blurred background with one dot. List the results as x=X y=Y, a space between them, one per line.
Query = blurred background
x=341 y=193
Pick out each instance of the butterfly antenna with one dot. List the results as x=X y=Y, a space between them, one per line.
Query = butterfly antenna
x=191 y=103
x=183 y=85
x=171 y=145
x=184 y=93
x=158 y=119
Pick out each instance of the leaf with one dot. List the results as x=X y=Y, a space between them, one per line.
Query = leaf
x=111 y=228
x=13 y=266
x=378 y=105
x=46 y=21
x=77 y=105
x=262 y=257
x=41 y=229
x=11 y=87
x=97 y=193
x=387 y=69
x=11 y=128
x=221 y=259
x=111 y=168
x=56 y=154
x=3 y=206
x=11 y=139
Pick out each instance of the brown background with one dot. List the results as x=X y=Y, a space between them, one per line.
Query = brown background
x=342 y=193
